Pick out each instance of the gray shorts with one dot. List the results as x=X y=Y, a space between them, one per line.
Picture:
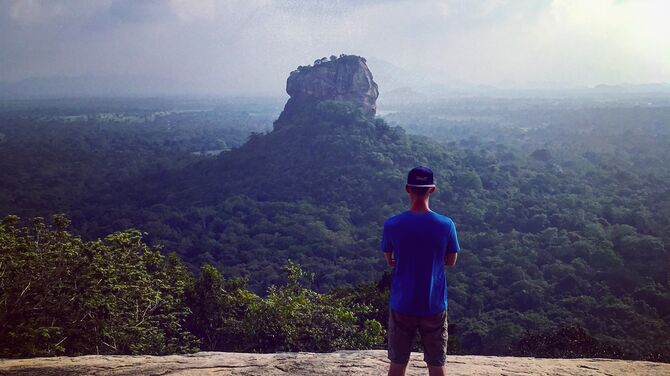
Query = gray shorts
x=433 y=331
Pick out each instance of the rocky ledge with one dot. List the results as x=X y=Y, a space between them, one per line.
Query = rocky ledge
x=371 y=362
x=344 y=78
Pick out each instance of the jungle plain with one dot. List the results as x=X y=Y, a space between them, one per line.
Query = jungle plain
x=173 y=224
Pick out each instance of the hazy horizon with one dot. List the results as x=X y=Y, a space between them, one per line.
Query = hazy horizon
x=248 y=47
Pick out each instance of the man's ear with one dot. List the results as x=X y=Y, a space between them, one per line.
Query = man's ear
x=431 y=190
x=407 y=189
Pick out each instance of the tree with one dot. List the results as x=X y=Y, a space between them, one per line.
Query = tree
x=66 y=296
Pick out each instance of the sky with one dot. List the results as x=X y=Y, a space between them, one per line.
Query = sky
x=248 y=47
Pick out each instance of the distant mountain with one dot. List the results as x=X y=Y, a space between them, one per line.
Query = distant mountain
x=660 y=87
x=394 y=77
x=404 y=95
x=326 y=146
x=407 y=86
x=102 y=86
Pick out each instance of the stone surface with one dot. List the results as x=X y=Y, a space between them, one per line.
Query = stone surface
x=346 y=78
x=369 y=362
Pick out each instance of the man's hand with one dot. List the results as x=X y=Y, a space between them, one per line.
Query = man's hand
x=389 y=259
x=450 y=259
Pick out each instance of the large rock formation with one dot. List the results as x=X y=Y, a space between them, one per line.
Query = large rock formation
x=369 y=362
x=346 y=78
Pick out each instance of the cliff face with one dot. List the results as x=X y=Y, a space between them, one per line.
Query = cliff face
x=346 y=78
x=369 y=362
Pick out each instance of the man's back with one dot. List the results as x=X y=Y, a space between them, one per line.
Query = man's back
x=415 y=244
x=419 y=242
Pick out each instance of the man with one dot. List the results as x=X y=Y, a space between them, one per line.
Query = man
x=417 y=244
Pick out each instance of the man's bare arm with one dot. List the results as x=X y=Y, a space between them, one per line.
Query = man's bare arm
x=389 y=259
x=450 y=259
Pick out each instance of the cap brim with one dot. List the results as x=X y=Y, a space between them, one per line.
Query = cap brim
x=421 y=185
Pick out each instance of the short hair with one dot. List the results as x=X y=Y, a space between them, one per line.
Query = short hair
x=419 y=191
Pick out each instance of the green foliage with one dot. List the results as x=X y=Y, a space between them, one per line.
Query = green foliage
x=61 y=295
x=290 y=318
x=221 y=311
x=295 y=318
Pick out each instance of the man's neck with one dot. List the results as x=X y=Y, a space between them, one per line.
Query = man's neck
x=420 y=206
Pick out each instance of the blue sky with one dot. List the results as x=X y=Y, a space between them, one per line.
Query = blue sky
x=232 y=47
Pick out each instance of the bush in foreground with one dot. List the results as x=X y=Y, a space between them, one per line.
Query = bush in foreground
x=61 y=295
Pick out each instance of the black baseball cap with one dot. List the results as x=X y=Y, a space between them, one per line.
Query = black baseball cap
x=420 y=177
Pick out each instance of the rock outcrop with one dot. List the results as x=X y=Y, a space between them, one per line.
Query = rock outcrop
x=346 y=78
x=370 y=362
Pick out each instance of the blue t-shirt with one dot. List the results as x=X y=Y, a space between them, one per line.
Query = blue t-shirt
x=419 y=242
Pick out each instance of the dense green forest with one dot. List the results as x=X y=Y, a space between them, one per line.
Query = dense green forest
x=563 y=210
x=65 y=296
